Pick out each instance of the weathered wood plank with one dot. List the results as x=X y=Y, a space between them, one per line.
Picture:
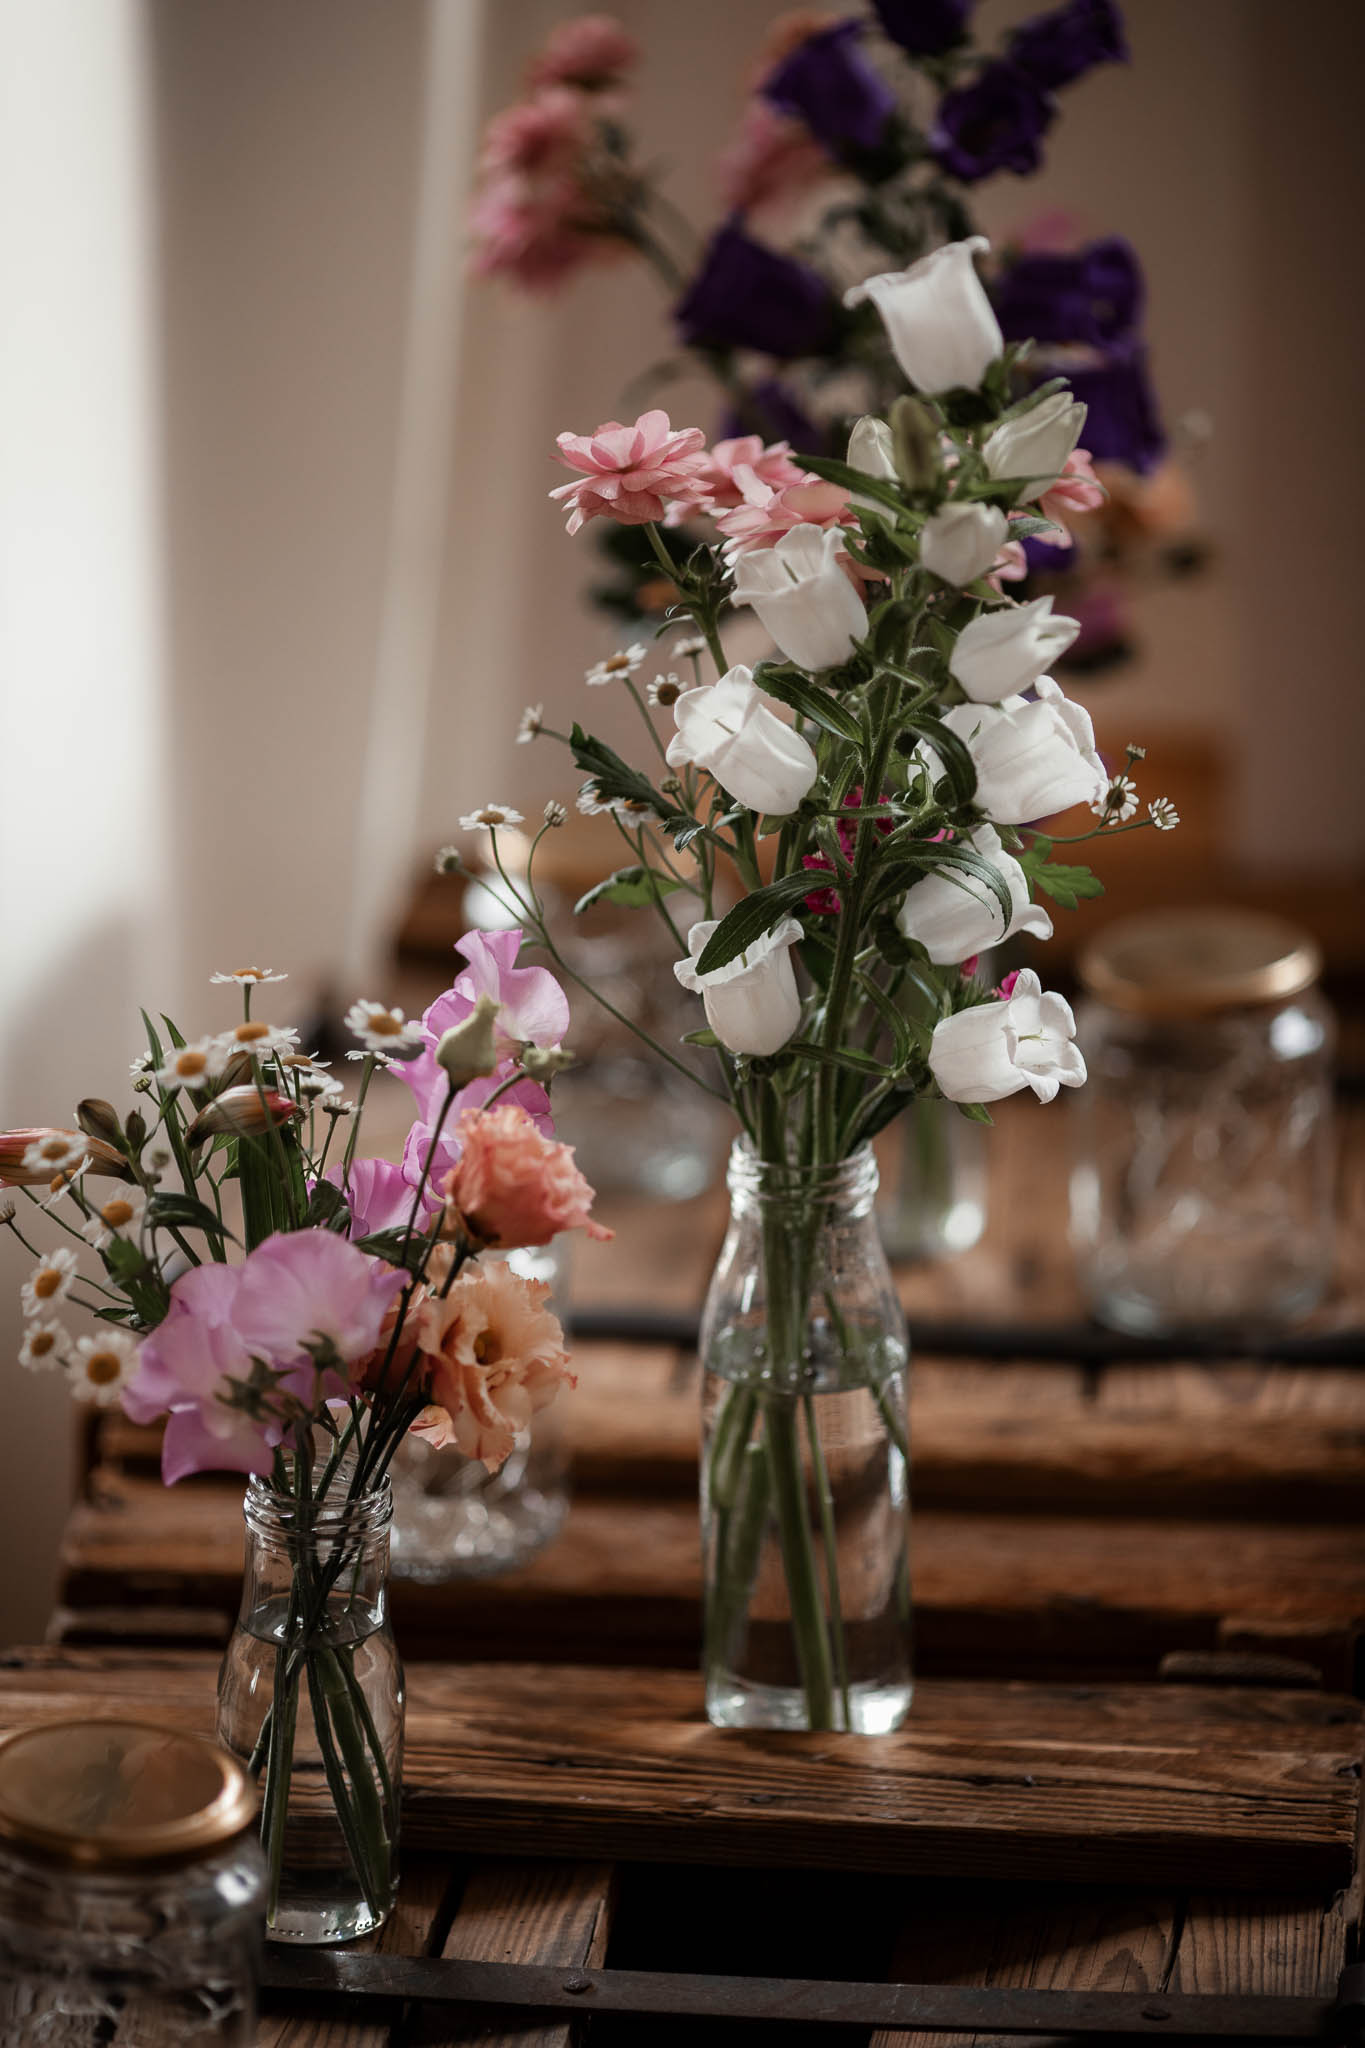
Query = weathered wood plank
x=1005 y=1593
x=557 y=1913
x=1152 y=1784
x=424 y=1904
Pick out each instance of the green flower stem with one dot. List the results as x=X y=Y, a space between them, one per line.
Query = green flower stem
x=356 y=1847
x=809 y=1629
x=825 y=1498
x=738 y=1548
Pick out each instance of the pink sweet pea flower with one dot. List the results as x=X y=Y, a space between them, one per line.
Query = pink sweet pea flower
x=631 y=474
x=592 y=52
x=379 y=1197
x=304 y=1287
x=533 y=1009
x=514 y=1186
x=524 y=1094
x=186 y=1369
x=1077 y=489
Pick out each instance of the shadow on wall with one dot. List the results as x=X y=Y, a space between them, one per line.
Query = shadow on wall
x=79 y=1029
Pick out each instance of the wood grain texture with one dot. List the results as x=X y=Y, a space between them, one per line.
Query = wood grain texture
x=1215 y=1787
x=556 y=1913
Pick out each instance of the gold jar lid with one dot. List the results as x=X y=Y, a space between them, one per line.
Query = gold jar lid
x=119 y=1794
x=1188 y=963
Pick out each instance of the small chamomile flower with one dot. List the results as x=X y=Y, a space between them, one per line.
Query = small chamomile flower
x=49 y=1282
x=491 y=818
x=383 y=1030
x=531 y=722
x=315 y=1086
x=617 y=666
x=259 y=1039
x=141 y=1065
x=1163 y=814
x=45 y=1344
x=593 y=804
x=665 y=691
x=1118 y=802
x=102 y=1367
x=114 y=1217
x=192 y=1066
x=689 y=649
x=449 y=861
x=555 y=813
x=56 y=1152
x=249 y=977
x=61 y=1184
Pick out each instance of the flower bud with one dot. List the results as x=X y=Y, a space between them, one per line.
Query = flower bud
x=242 y=1113
x=98 y=1119
x=914 y=444
x=469 y=1050
x=99 y=1157
x=543 y=1062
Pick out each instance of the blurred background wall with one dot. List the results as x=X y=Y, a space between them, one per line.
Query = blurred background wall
x=277 y=569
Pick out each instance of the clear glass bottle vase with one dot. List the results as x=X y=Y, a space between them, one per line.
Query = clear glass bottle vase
x=310 y=1698
x=805 y=1457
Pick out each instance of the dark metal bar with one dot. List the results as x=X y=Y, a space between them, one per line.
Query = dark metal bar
x=1054 y=1343
x=948 y=2008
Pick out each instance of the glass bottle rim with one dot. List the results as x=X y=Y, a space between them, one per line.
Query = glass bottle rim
x=852 y=1180
x=338 y=1515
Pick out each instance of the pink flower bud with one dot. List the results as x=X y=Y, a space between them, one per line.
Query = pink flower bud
x=242 y=1113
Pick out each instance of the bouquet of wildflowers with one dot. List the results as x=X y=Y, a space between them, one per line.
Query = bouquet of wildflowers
x=836 y=838
x=860 y=146
x=292 y=1309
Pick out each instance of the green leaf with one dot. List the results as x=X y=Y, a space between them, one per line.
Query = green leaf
x=952 y=859
x=153 y=1042
x=811 y=702
x=1066 y=885
x=397 y=1248
x=614 y=777
x=182 y=1212
x=684 y=831
x=176 y=1036
x=703 y=1037
x=855 y=480
x=636 y=888
x=850 y=1058
x=327 y=1208
x=958 y=764
x=750 y=919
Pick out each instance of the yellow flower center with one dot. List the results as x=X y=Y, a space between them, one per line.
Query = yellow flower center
x=489 y=815
x=386 y=1024
x=103 y=1366
x=615 y=663
x=117 y=1213
x=249 y=973
x=248 y=1034
x=190 y=1064
x=487 y=1350
x=55 y=1148
x=40 y=1343
x=46 y=1283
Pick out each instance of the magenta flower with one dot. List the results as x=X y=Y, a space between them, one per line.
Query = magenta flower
x=305 y=1287
x=631 y=474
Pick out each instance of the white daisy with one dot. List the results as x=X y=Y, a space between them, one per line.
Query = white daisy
x=1163 y=814
x=115 y=1216
x=665 y=691
x=258 y=1039
x=490 y=818
x=1119 y=801
x=61 y=1184
x=314 y=1085
x=102 y=1367
x=531 y=721
x=56 y=1152
x=555 y=813
x=383 y=1030
x=45 y=1344
x=193 y=1065
x=49 y=1282
x=249 y=977
x=449 y=860
x=593 y=805
x=141 y=1065
x=688 y=650
x=617 y=666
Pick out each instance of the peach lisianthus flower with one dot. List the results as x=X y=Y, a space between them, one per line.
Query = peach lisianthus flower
x=496 y=1356
x=741 y=464
x=512 y=1185
x=592 y=52
x=631 y=473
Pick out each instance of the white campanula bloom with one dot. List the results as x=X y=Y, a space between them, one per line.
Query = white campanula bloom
x=1036 y=444
x=49 y=1282
x=752 y=1003
x=960 y=542
x=870 y=450
x=1027 y=1040
x=1006 y=650
x=802 y=596
x=102 y=1367
x=734 y=731
x=115 y=1216
x=938 y=319
x=953 y=915
x=1031 y=759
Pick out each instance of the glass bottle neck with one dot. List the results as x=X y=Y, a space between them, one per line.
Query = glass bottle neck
x=764 y=1188
x=305 y=1556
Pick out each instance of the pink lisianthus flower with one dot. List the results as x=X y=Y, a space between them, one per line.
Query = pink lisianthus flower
x=737 y=467
x=771 y=159
x=512 y=1185
x=379 y=1197
x=767 y=513
x=631 y=473
x=496 y=1357
x=311 y=1287
x=592 y=52
x=532 y=1009
x=1077 y=489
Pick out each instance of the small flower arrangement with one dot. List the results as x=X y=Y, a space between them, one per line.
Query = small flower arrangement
x=290 y=1309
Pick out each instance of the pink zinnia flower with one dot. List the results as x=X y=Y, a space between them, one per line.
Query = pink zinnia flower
x=631 y=474
x=772 y=158
x=496 y=1357
x=514 y=1186
x=766 y=514
x=1077 y=489
x=592 y=52
x=734 y=468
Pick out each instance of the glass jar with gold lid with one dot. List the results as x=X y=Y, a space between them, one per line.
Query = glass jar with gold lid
x=131 y=1888
x=1202 y=1184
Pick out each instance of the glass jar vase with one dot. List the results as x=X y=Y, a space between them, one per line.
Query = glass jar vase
x=310 y=1698
x=805 y=1458
x=131 y=1888
x=1202 y=1182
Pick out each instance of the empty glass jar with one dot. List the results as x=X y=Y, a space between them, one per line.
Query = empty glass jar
x=131 y=1888
x=1202 y=1185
